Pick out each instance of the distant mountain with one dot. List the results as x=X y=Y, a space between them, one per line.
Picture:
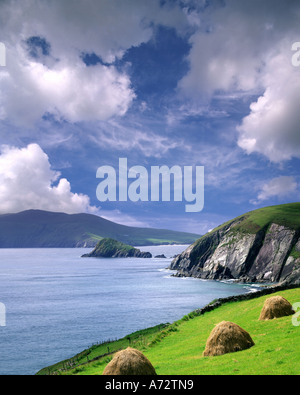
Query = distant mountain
x=259 y=246
x=36 y=228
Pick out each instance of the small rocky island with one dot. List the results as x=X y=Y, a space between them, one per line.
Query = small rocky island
x=110 y=248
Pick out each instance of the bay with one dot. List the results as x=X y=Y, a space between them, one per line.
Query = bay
x=58 y=304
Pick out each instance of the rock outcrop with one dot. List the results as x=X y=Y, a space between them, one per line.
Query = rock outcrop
x=109 y=248
x=244 y=251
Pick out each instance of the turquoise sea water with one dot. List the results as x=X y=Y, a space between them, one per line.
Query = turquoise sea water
x=57 y=303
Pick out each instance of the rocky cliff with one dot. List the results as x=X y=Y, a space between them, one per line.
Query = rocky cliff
x=261 y=246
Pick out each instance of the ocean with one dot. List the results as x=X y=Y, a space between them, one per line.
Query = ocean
x=58 y=304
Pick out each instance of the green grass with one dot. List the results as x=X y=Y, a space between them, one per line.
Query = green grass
x=95 y=237
x=108 y=247
x=276 y=349
x=286 y=215
x=295 y=253
x=177 y=349
x=103 y=352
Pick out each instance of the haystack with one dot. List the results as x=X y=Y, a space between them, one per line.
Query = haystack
x=129 y=362
x=227 y=337
x=276 y=307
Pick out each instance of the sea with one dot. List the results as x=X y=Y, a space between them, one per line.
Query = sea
x=56 y=304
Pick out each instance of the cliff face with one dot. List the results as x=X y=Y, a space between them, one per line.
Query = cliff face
x=271 y=253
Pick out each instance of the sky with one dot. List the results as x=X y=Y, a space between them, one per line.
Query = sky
x=212 y=83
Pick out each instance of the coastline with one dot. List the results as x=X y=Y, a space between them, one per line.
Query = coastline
x=73 y=303
x=170 y=327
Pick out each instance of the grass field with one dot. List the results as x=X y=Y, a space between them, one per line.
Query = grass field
x=177 y=349
x=285 y=215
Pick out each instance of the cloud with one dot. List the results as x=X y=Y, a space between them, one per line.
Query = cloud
x=132 y=136
x=45 y=42
x=28 y=182
x=224 y=53
x=121 y=218
x=272 y=127
x=278 y=187
x=228 y=53
x=245 y=47
x=198 y=225
x=72 y=92
x=103 y=27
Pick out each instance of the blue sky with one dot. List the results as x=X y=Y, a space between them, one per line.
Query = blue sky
x=175 y=82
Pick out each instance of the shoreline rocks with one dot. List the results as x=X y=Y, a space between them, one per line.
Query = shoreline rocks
x=228 y=254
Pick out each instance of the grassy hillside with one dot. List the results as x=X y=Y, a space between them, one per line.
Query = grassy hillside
x=35 y=228
x=286 y=214
x=177 y=349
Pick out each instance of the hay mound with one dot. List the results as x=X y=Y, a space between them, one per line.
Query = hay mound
x=227 y=337
x=129 y=362
x=276 y=307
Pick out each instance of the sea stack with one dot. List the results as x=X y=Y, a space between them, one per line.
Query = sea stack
x=110 y=248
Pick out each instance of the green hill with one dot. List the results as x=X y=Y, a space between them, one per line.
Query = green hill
x=176 y=349
x=260 y=246
x=36 y=228
x=287 y=215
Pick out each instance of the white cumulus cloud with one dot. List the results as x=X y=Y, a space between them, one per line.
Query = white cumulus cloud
x=29 y=89
x=272 y=127
x=48 y=75
x=244 y=48
x=278 y=187
x=28 y=182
